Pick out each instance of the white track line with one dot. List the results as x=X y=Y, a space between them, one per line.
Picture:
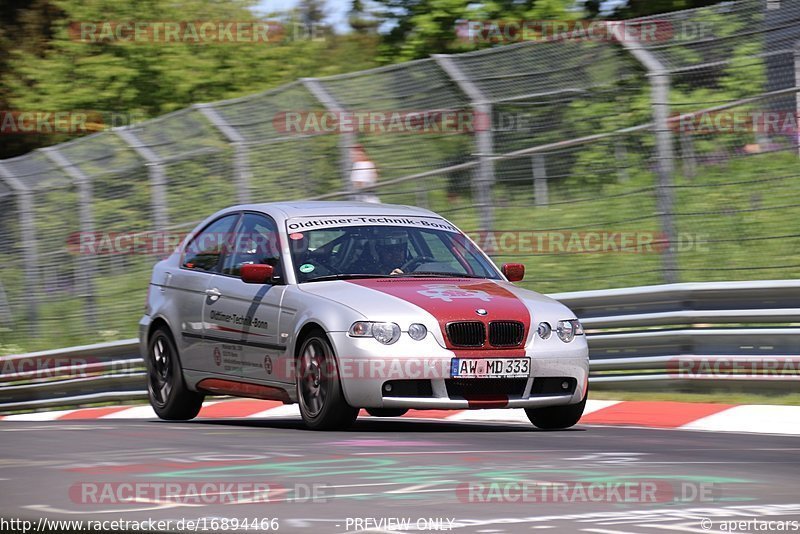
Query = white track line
x=760 y=419
x=135 y=412
x=38 y=416
x=517 y=415
x=287 y=410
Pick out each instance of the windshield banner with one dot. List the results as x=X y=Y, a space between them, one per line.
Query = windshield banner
x=317 y=223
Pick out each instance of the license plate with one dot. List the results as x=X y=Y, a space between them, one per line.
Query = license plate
x=490 y=367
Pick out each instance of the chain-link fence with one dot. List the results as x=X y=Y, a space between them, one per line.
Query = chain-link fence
x=596 y=162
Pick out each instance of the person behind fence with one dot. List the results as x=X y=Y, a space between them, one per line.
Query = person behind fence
x=363 y=174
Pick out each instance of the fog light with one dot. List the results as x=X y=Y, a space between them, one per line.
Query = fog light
x=417 y=331
x=387 y=387
x=565 y=385
x=544 y=330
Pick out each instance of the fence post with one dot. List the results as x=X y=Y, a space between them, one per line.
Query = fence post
x=86 y=264
x=158 y=180
x=541 y=196
x=659 y=96
x=484 y=182
x=346 y=139
x=29 y=250
x=241 y=155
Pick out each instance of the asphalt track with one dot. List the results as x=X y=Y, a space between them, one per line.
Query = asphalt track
x=406 y=475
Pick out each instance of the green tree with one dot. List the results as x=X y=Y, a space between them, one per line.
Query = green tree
x=424 y=27
x=361 y=20
x=643 y=8
x=24 y=25
x=147 y=79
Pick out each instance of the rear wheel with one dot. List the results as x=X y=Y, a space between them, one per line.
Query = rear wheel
x=386 y=412
x=557 y=417
x=319 y=390
x=168 y=394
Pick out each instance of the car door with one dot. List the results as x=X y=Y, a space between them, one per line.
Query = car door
x=242 y=319
x=201 y=259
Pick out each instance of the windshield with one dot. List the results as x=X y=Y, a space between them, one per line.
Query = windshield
x=355 y=251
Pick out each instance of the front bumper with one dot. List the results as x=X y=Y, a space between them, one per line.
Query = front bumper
x=366 y=366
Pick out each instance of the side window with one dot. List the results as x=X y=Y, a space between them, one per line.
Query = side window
x=256 y=241
x=204 y=252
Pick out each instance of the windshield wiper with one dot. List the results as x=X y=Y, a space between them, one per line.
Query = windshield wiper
x=344 y=276
x=440 y=274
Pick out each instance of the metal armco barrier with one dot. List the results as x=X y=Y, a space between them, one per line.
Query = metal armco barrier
x=675 y=337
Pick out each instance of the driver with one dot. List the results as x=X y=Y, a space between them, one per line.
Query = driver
x=392 y=251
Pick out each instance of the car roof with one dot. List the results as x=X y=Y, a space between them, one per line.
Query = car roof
x=320 y=208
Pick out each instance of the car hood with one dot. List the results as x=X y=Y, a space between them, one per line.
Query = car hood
x=437 y=301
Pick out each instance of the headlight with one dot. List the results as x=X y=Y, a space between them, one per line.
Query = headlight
x=567 y=330
x=544 y=330
x=417 y=331
x=386 y=333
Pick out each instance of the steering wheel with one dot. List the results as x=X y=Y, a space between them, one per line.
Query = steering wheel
x=415 y=262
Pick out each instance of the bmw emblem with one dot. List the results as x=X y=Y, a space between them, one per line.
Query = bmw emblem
x=481 y=311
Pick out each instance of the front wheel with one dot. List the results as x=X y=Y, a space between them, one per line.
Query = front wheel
x=169 y=396
x=319 y=391
x=557 y=417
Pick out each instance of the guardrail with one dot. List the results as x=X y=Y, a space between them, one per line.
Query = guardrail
x=686 y=337
x=693 y=336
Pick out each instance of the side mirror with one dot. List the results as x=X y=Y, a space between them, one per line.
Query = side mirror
x=514 y=271
x=256 y=273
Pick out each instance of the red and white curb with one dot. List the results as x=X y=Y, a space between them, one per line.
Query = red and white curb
x=765 y=419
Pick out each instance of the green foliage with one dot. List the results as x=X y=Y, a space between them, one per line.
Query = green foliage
x=144 y=79
x=424 y=27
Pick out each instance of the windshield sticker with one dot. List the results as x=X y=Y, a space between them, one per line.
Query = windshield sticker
x=449 y=292
x=306 y=268
x=295 y=225
x=297 y=236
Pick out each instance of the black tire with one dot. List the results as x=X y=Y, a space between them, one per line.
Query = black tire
x=386 y=412
x=557 y=417
x=319 y=390
x=168 y=394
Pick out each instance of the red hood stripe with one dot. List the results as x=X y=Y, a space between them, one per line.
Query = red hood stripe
x=457 y=299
